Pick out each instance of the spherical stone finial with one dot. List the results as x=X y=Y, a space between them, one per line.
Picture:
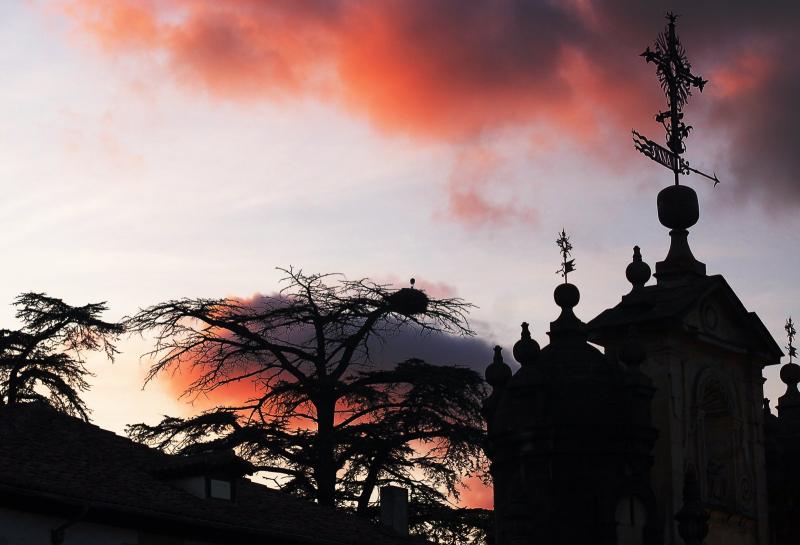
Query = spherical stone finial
x=790 y=374
x=566 y=295
x=526 y=350
x=637 y=272
x=632 y=352
x=497 y=373
x=678 y=207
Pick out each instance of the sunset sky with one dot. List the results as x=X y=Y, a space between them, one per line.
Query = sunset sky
x=154 y=149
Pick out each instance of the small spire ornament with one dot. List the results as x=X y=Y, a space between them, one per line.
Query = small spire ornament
x=565 y=248
x=791 y=332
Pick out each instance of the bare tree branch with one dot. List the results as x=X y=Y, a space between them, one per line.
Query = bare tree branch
x=327 y=421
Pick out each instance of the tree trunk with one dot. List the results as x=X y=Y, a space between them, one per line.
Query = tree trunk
x=325 y=467
x=369 y=484
x=13 y=386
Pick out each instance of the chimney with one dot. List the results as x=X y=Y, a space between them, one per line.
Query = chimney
x=394 y=508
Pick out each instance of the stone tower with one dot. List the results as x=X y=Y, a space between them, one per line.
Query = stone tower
x=705 y=355
x=570 y=440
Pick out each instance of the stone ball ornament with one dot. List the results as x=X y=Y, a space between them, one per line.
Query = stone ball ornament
x=526 y=349
x=678 y=207
x=566 y=295
x=790 y=373
x=498 y=372
x=637 y=272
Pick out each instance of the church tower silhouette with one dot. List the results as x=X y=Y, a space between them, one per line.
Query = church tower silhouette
x=604 y=447
x=660 y=437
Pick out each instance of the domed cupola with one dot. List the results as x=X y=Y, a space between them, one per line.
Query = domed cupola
x=569 y=433
x=569 y=352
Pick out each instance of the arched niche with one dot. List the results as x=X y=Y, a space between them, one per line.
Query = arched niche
x=718 y=439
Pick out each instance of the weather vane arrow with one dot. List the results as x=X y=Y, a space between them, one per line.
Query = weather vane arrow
x=662 y=155
x=675 y=74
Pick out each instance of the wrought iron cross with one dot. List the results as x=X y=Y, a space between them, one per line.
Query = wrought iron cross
x=675 y=74
x=791 y=332
x=565 y=248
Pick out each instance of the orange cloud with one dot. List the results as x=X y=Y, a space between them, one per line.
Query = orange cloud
x=440 y=69
x=475 y=494
x=196 y=364
x=453 y=70
x=118 y=25
x=745 y=74
x=477 y=172
x=232 y=393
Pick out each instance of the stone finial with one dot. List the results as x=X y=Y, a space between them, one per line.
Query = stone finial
x=567 y=326
x=526 y=349
x=637 y=272
x=692 y=518
x=790 y=375
x=677 y=207
x=567 y=296
x=789 y=403
x=678 y=210
x=498 y=372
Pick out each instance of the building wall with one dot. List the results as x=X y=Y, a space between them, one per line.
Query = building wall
x=727 y=451
x=666 y=410
x=22 y=528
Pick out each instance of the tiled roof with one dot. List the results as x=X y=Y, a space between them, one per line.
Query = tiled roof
x=51 y=459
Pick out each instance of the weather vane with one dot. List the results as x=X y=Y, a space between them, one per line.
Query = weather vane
x=674 y=73
x=565 y=247
x=791 y=332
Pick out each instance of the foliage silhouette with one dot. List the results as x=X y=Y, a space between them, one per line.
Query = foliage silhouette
x=327 y=421
x=43 y=360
